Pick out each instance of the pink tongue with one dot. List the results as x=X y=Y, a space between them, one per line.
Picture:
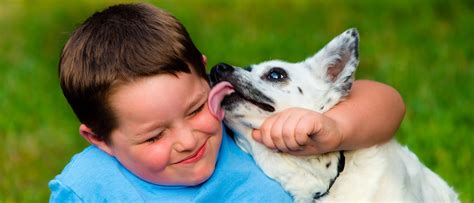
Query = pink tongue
x=217 y=94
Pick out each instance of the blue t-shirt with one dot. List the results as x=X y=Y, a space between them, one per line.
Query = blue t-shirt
x=93 y=175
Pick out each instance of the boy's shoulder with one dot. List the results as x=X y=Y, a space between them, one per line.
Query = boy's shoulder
x=92 y=175
x=84 y=162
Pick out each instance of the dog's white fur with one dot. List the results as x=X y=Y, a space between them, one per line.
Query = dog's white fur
x=387 y=172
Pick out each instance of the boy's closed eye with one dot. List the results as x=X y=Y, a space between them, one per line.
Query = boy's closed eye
x=159 y=135
x=197 y=110
x=155 y=137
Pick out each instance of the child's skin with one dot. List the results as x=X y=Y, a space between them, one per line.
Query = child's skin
x=158 y=134
x=166 y=134
x=371 y=115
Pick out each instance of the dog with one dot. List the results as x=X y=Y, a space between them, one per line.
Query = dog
x=386 y=172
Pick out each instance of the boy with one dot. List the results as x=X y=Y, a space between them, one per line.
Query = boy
x=138 y=85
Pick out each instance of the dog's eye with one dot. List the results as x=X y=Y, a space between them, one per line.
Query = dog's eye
x=276 y=75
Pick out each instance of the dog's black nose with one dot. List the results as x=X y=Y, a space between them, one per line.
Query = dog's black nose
x=220 y=71
x=223 y=68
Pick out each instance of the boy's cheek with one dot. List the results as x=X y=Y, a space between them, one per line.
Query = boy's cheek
x=206 y=122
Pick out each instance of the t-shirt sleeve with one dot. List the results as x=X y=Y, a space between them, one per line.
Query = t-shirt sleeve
x=62 y=193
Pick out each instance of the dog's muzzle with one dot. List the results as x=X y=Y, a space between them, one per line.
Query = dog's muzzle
x=244 y=90
x=219 y=71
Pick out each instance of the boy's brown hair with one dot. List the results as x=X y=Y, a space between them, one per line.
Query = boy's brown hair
x=116 y=46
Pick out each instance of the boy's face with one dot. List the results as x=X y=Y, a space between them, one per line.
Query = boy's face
x=166 y=133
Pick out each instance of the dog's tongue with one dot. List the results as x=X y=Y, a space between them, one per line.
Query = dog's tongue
x=217 y=94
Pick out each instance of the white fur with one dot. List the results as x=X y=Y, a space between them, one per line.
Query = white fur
x=387 y=172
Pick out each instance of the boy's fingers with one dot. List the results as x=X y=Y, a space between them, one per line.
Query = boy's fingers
x=288 y=133
x=301 y=136
x=303 y=130
x=301 y=139
x=267 y=141
x=277 y=132
x=265 y=130
x=257 y=135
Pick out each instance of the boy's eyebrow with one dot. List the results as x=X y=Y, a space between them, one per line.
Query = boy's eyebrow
x=197 y=99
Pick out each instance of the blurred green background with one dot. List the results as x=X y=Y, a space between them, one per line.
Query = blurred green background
x=425 y=49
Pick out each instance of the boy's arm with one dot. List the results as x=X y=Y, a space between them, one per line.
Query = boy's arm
x=370 y=115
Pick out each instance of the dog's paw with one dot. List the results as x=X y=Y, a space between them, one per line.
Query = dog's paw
x=305 y=187
x=313 y=197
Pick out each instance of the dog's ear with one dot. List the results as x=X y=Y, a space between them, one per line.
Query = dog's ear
x=338 y=60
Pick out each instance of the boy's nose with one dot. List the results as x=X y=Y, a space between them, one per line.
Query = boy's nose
x=221 y=71
x=186 y=140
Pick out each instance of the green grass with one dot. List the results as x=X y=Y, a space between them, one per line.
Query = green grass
x=425 y=49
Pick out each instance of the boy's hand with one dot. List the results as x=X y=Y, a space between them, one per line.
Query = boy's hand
x=299 y=131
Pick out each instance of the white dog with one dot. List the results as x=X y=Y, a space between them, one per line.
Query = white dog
x=387 y=172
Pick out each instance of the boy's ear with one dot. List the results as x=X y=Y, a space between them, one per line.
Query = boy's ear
x=94 y=139
x=338 y=60
x=204 y=60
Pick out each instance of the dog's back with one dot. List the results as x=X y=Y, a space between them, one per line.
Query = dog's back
x=388 y=172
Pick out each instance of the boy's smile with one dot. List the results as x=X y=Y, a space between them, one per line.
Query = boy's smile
x=194 y=157
x=166 y=133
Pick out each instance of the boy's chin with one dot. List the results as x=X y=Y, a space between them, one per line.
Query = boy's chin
x=202 y=177
x=197 y=178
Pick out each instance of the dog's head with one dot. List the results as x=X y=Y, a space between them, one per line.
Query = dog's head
x=318 y=83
